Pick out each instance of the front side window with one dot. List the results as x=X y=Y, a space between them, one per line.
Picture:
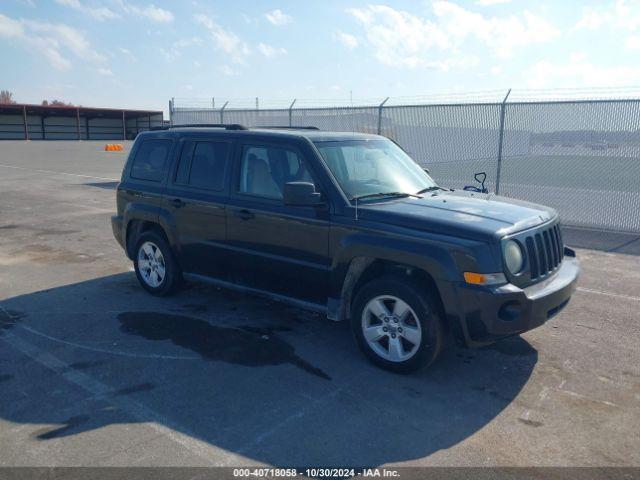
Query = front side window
x=202 y=164
x=150 y=160
x=264 y=170
x=364 y=167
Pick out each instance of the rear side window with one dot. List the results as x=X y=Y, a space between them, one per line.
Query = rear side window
x=150 y=160
x=202 y=165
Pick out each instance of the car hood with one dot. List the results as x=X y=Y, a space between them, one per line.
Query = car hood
x=459 y=213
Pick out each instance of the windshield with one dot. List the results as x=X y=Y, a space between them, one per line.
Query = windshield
x=365 y=167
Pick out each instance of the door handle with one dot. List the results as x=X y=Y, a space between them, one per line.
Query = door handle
x=176 y=202
x=243 y=214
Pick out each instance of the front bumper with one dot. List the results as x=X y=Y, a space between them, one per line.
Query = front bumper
x=491 y=313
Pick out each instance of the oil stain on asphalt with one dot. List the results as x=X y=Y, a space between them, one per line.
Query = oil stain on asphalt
x=247 y=346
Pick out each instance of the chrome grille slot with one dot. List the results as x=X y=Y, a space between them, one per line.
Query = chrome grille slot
x=533 y=258
x=551 y=262
x=545 y=251
x=542 y=257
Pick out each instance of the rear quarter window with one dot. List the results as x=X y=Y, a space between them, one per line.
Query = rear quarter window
x=150 y=160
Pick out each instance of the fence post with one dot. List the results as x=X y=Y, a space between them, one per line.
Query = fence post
x=222 y=112
x=500 y=140
x=291 y=110
x=380 y=115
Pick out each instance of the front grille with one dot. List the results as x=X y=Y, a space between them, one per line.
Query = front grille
x=545 y=251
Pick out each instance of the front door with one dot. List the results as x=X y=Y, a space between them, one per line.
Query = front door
x=277 y=248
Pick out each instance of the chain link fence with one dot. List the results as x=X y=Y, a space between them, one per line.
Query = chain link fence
x=581 y=157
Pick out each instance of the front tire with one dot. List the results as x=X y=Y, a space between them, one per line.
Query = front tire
x=396 y=325
x=155 y=265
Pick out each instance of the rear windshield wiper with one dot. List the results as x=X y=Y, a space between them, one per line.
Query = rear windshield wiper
x=385 y=194
x=430 y=189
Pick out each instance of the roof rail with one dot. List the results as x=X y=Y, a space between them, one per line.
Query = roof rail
x=226 y=126
x=277 y=127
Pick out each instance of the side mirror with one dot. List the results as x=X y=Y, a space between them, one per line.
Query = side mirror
x=301 y=194
x=480 y=178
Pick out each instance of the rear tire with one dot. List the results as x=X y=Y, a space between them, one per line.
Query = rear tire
x=156 y=267
x=396 y=324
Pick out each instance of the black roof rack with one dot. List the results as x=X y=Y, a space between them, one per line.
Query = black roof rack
x=232 y=126
x=281 y=127
x=226 y=126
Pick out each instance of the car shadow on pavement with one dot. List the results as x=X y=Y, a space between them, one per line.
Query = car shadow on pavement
x=268 y=382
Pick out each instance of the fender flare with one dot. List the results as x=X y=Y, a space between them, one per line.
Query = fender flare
x=359 y=251
x=135 y=212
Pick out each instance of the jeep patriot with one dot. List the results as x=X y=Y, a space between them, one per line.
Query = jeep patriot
x=345 y=224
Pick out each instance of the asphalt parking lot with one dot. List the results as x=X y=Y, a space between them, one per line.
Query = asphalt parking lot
x=95 y=372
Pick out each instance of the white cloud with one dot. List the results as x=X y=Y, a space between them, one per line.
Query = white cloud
x=127 y=53
x=579 y=72
x=348 y=40
x=55 y=41
x=9 y=27
x=400 y=38
x=105 y=72
x=278 y=18
x=187 y=42
x=64 y=37
x=633 y=42
x=175 y=50
x=249 y=20
x=150 y=12
x=228 y=71
x=486 y=3
x=97 y=13
x=224 y=40
x=269 y=51
x=618 y=15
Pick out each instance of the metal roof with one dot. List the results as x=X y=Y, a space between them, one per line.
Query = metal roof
x=72 y=111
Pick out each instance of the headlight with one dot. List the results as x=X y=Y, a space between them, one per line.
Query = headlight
x=513 y=256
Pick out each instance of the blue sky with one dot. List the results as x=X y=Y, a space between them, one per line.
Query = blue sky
x=138 y=54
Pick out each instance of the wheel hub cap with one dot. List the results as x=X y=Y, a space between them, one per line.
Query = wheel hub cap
x=151 y=264
x=391 y=328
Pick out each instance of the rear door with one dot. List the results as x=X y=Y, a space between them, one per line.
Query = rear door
x=144 y=175
x=196 y=195
x=275 y=247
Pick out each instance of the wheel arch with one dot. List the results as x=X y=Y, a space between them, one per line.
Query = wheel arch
x=135 y=228
x=140 y=217
x=363 y=269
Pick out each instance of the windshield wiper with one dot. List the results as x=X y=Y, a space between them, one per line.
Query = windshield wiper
x=430 y=189
x=384 y=194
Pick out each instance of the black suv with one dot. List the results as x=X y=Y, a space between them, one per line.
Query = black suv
x=345 y=224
